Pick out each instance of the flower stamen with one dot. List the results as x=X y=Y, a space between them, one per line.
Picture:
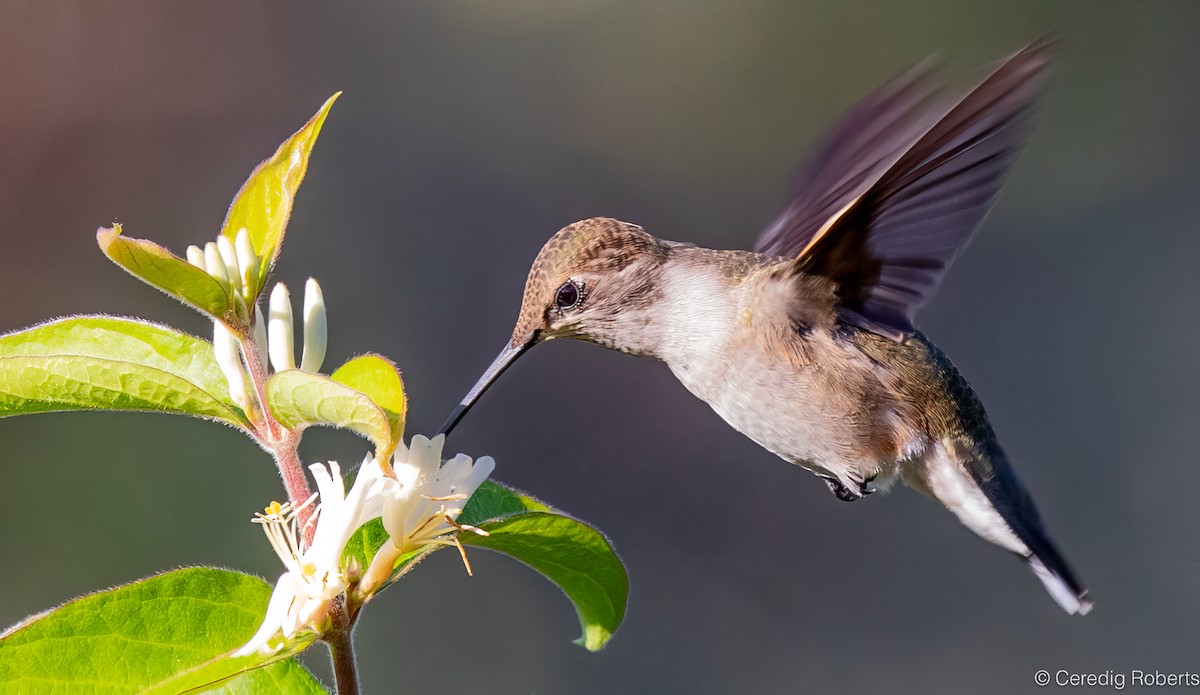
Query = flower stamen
x=462 y=552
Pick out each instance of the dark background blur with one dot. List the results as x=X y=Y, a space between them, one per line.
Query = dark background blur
x=471 y=131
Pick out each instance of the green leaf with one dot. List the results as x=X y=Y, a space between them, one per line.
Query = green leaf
x=493 y=501
x=284 y=677
x=378 y=378
x=112 y=363
x=125 y=340
x=364 y=543
x=299 y=399
x=575 y=557
x=264 y=203
x=160 y=268
x=571 y=554
x=46 y=384
x=170 y=633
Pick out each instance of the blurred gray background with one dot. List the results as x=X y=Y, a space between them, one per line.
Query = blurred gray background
x=471 y=131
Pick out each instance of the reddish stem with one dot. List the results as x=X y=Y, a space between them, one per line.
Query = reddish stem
x=279 y=440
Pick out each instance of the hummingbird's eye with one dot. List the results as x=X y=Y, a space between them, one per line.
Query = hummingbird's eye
x=568 y=296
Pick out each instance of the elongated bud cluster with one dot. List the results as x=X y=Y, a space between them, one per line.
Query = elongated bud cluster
x=231 y=262
x=280 y=329
x=273 y=339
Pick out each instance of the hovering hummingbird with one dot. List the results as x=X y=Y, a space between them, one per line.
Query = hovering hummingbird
x=806 y=344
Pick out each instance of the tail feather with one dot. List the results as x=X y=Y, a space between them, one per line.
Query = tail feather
x=1070 y=596
x=976 y=483
x=999 y=483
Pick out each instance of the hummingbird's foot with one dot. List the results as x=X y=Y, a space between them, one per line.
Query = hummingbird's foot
x=847 y=494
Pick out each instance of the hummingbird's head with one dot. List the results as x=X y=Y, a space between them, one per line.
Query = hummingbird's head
x=586 y=279
x=591 y=281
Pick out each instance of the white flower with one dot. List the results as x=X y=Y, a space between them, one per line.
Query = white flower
x=432 y=495
x=419 y=506
x=314 y=575
x=422 y=508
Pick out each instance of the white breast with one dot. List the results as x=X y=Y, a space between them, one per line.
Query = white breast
x=699 y=313
x=774 y=401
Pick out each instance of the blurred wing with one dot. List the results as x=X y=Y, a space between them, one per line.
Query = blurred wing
x=887 y=248
x=871 y=138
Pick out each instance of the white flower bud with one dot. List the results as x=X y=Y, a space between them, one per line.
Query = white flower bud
x=225 y=346
x=247 y=259
x=196 y=257
x=229 y=257
x=280 y=340
x=260 y=336
x=316 y=328
x=213 y=263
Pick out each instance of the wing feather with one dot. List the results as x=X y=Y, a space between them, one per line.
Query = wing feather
x=886 y=233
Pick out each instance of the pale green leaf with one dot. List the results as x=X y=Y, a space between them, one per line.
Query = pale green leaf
x=171 y=633
x=378 y=378
x=159 y=268
x=126 y=340
x=280 y=678
x=44 y=384
x=264 y=203
x=300 y=399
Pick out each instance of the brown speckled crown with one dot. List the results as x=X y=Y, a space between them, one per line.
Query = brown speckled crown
x=594 y=244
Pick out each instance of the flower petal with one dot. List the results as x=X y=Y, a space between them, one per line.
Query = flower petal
x=277 y=609
x=479 y=473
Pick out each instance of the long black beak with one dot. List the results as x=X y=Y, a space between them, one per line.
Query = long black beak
x=507 y=356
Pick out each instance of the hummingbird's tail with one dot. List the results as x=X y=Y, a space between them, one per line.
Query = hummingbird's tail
x=976 y=483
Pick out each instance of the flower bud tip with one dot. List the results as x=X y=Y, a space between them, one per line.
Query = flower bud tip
x=316 y=328
x=280 y=338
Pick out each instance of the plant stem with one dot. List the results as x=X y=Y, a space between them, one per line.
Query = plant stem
x=341 y=649
x=281 y=441
x=258 y=379
x=287 y=459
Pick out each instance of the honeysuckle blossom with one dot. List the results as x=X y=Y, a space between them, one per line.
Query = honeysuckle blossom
x=419 y=506
x=422 y=508
x=315 y=575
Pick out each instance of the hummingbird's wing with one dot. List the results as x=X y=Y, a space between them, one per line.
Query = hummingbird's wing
x=870 y=139
x=923 y=172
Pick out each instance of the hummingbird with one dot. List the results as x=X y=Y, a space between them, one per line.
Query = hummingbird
x=806 y=344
